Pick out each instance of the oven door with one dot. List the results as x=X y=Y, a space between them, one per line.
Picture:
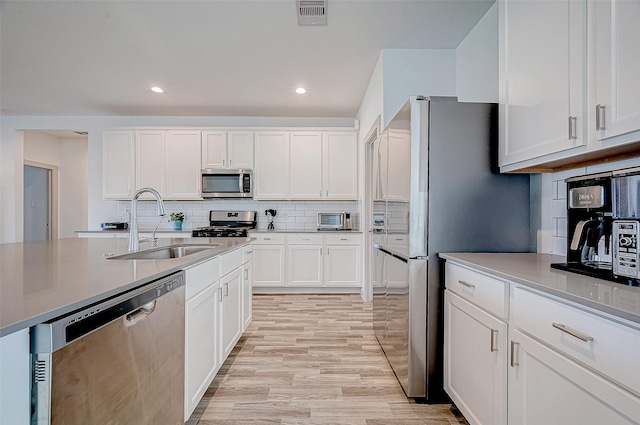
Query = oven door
x=227 y=183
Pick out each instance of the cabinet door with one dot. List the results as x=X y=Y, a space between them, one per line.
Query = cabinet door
x=305 y=165
x=268 y=265
x=547 y=388
x=475 y=361
x=304 y=265
x=247 y=294
x=240 y=149
x=202 y=347
x=15 y=375
x=271 y=165
x=151 y=161
x=214 y=149
x=340 y=165
x=117 y=164
x=342 y=265
x=399 y=166
x=231 y=310
x=542 y=77
x=183 y=165
x=617 y=63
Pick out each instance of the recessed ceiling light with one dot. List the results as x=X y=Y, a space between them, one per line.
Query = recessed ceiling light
x=157 y=90
x=300 y=90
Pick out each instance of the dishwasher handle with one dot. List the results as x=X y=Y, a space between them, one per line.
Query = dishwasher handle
x=134 y=306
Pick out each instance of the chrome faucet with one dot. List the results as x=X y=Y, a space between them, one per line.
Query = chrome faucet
x=134 y=240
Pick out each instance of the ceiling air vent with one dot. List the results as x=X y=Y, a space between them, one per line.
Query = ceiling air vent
x=312 y=12
x=82 y=133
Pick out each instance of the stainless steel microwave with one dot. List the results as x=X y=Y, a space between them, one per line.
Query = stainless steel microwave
x=227 y=183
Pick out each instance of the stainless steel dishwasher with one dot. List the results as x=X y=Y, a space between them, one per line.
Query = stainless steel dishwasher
x=120 y=361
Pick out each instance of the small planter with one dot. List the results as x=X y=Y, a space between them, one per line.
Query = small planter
x=177 y=225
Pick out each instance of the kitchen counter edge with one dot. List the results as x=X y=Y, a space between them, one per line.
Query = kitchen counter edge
x=534 y=271
x=172 y=266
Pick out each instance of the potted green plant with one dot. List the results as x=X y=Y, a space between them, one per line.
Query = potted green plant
x=177 y=219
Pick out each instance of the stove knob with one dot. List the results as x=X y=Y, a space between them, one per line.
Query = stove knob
x=625 y=241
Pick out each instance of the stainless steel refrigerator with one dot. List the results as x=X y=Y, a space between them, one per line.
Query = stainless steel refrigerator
x=435 y=190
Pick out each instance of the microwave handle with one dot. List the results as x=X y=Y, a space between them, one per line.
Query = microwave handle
x=240 y=183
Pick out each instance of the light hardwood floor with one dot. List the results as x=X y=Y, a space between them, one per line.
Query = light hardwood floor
x=312 y=359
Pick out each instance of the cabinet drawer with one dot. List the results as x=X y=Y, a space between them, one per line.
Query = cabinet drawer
x=343 y=239
x=201 y=276
x=247 y=253
x=304 y=239
x=230 y=261
x=609 y=347
x=484 y=291
x=268 y=238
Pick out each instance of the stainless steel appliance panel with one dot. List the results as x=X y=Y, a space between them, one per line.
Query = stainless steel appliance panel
x=127 y=371
x=456 y=203
x=227 y=183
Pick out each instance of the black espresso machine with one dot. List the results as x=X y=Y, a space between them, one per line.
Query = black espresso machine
x=603 y=226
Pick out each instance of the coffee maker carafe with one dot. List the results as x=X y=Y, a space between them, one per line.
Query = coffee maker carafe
x=589 y=216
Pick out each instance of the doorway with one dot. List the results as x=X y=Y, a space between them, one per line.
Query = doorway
x=39 y=202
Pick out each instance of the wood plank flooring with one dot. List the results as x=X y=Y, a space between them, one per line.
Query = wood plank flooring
x=312 y=359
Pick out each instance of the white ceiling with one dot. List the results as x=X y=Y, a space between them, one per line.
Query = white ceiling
x=213 y=58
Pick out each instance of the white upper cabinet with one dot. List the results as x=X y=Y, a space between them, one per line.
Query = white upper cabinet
x=118 y=166
x=617 y=40
x=399 y=166
x=340 y=165
x=183 y=164
x=227 y=149
x=240 y=149
x=151 y=161
x=314 y=165
x=271 y=175
x=305 y=165
x=214 y=149
x=542 y=78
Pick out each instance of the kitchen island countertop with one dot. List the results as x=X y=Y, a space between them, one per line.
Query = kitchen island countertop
x=534 y=271
x=43 y=280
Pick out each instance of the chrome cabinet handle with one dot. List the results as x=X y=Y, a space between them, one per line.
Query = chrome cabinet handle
x=573 y=130
x=220 y=294
x=226 y=289
x=600 y=117
x=230 y=163
x=577 y=334
x=514 y=346
x=224 y=162
x=246 y=273
x=467 y=284
x=494 y=340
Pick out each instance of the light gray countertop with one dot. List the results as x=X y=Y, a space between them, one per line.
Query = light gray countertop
x=533 y=270
x=126 y=231
x=43 y=280
x=325 y=232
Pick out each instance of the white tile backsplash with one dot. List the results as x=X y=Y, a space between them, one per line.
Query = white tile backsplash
x=556 y=210
x=294 y=215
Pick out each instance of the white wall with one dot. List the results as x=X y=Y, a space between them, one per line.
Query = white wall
x=70 y=155
x=99 y=210
x=411 y=72
x=477 y=61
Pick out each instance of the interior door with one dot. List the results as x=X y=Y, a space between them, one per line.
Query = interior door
x=37 y=208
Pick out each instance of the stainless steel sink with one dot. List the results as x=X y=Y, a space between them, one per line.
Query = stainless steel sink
x=165 y=252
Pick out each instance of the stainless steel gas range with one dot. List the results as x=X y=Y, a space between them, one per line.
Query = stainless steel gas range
x=227 y=224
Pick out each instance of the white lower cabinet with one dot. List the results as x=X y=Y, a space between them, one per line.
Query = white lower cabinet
x=231 y=310
x=247 y=294
x=15 y=378
x=548 y=388
x=342 y=265
x=215 y=315
x=475 y=365
x=562 y=362
x=268 y=265
x=304 y=265
x=203 y=349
